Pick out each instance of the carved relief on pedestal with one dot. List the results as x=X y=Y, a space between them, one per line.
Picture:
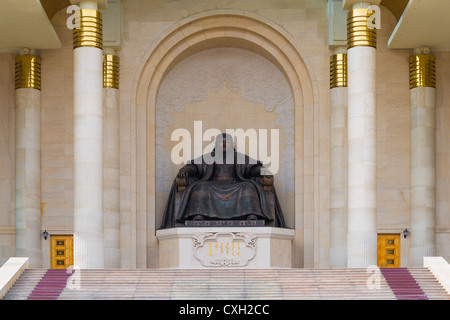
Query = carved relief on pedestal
x=228 y=249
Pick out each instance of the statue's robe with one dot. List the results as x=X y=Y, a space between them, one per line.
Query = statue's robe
x=215 y=197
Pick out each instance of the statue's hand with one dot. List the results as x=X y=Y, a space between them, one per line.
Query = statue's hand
x=182 y=175
x=182 y=178
x=267 y=180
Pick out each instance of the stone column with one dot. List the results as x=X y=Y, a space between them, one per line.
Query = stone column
x=88 y=134
x=111 y=159
x=28 y=157
x=423 y=157
x=362 y=213
x=338 y=124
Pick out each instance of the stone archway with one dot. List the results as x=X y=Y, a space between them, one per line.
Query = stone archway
x=199 y=32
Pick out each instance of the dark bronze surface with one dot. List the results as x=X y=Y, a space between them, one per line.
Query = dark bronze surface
x=230 y=189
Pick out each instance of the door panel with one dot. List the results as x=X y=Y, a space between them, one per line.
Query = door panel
x=388 y=250
x=61 y=248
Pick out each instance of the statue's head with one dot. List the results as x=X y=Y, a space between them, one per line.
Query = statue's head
x=224 y=149
x=224 y=142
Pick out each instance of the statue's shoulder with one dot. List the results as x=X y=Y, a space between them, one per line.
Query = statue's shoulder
x=242 y=158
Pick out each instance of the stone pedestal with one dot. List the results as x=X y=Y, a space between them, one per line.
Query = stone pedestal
x=236 y=247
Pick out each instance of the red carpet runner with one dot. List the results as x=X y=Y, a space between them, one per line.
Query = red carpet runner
x=403 y=284
x=51 y=285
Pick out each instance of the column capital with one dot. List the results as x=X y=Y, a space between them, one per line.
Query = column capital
x=358 y=32
x=340 y=50
x=90 y=31
x=27 y=52
x=99 y=4
x=111 y=70
x=28 y=70
x=349 y=4
x=338 y=70
x=422 y=71
x=422 y=50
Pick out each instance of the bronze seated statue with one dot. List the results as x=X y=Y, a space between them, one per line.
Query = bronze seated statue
x=223 y=190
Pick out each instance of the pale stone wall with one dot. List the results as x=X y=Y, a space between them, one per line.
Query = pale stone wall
x=144 y=24
x=7 y=171
x=57 y=144
x=443 y=155
x=393 y=136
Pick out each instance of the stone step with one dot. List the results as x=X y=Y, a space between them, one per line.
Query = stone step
x=429 y=284
x=223 y=284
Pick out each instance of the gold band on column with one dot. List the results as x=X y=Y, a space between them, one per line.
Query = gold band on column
x=358 y=34
x=338 y=70
x=422 y=71
x=90 y=31
x=111 y=71
x=28 y=72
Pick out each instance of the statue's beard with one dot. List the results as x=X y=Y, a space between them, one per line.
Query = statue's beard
x=224 y=155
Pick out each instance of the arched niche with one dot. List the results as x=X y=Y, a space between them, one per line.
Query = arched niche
x=207 y=30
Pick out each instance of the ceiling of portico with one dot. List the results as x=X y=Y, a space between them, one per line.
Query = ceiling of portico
x=25 y=23
x=53 y=6
x=421 y=23
x=396 y=7
x=424 y=23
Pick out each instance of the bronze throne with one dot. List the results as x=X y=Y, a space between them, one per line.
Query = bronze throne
x=232 y=187
x=266 y=181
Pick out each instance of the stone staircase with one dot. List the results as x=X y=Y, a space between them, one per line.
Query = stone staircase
x=220 y=284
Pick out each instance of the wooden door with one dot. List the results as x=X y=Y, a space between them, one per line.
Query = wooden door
x=388 y=250
x=61 y=248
